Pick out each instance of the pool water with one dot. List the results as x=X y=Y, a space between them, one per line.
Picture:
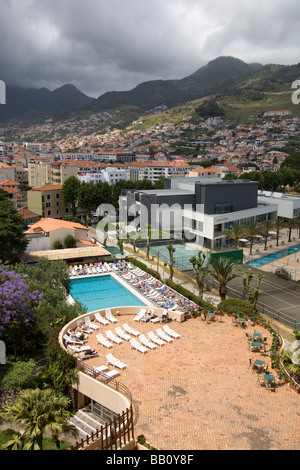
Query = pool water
x=274 y=256
x=99 y=292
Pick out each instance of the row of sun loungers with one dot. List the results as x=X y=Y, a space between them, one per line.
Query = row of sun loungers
x=96 y=268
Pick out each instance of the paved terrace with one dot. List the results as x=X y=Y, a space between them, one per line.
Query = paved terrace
x=199 y=392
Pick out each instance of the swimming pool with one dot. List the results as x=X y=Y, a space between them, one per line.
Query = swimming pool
x=274 y=256
x=98 y=292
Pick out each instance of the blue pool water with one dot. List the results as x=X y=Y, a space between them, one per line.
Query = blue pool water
x=274 y=256
x=98 y=292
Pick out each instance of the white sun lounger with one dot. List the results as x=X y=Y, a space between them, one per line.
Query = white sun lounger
x=90 y=324
x=146 y=342
x=155 y=339
x=101 y=319
x=138 y=346
x=109 y=316
x=122 y=334
x=115 y=362
x=71 y=340
x=163 y=335
x=103 y=341
x=171 y=332
x=130 y=330
x=101 y=369
x=140 y=315
x=113 y=337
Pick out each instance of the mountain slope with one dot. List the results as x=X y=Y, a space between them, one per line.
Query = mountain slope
x=221 y=75
x=33 y=103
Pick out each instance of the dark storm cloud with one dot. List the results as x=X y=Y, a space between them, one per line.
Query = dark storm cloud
x=100 y=46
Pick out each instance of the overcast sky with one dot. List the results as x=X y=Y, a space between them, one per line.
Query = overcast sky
x=105 y=45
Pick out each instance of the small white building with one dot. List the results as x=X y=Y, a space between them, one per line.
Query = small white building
x=109 y=175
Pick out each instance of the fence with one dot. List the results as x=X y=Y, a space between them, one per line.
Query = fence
x=117 y=432
x=264 y=309
x=113 y=435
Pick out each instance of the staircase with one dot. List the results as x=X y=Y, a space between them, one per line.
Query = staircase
x=86 y=423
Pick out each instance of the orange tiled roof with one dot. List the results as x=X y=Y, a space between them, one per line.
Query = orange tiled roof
x=48 y=225
x=48 y=187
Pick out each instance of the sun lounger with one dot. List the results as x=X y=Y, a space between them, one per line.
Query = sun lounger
x=130 y=330
x=140 y=315
x=146 y=342
x=113 y=337
x=115 y=362
x=103 y=341
x=109 y=316
x=101 y=319
x=101 y=369
x=155 y=339
x=171 y=332
x=90 y=324
x=163 y=335
x=122 y=334
x=138 y=346
x=70 y=340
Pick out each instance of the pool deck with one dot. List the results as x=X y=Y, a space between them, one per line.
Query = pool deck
x=199 y=392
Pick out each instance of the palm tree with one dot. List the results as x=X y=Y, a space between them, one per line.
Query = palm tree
x=290 y=224
x=171 y=250
x=278 y=225
x=223 y=270
x=200 y=268
x=264 y=229
x=37 y=412
x=235 y=232
x=251 y=230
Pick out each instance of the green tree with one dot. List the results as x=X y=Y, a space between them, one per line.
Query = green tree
x=171 y=249
x=223 y=270
x=290 y=225
x=70 y=242
x=264 y=228
x=13 y=241
x=148 y=241
x=70 y=193
x=278 y=225
x=86 y=198
x=200 y=267
x=37 y=412
x=235 y=232
x=251 y=231
x=57 y=245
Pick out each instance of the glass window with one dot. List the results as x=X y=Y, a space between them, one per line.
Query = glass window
x=223 y=208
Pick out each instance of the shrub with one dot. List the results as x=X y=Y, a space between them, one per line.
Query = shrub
x=19 y=376
x=189 y=295
x=57 y=245
x=283 y=274
x=70 y=242
x=236 y=306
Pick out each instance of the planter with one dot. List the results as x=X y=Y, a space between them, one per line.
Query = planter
x=297 y=390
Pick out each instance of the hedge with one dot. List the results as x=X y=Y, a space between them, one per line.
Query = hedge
x=189 y=295
x=236 y=306
x=145 y=268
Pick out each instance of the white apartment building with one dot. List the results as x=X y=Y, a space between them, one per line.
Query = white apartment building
x=109 y=175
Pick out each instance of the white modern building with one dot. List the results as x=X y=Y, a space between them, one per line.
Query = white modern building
x=196 y=209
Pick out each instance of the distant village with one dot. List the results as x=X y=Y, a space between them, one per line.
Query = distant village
x=162 y=151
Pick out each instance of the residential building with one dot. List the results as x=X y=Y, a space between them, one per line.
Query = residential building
x=42 y=173
x=109 y=175
x=46 y=231
x=47 y=202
